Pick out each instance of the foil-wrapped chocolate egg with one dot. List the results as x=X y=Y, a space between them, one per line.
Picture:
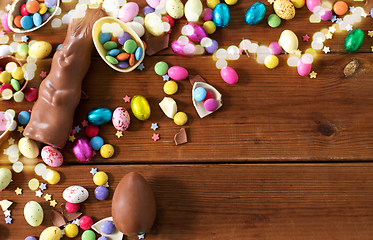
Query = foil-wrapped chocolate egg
x=255 y=13
x=99 y=116
x=221 y=15
x=133 y=206
x=82 y=150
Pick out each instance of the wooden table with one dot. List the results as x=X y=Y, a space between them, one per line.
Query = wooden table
x=286 y=157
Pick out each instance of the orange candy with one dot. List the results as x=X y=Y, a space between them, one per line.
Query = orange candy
x=122 y=56
x=17 y=21
x=131 y=61
x=340 y=8
x=32 y=6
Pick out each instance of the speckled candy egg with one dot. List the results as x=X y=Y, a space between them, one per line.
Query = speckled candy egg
x=153 y=23
x=255 y=13
x=153 y=3
x=175 y=8
x=33 y=213
x=284 y=9
x=128 y=11
x=28 y=147
x=121 y=119
x=5 y=178
x=221 y=15
x=51 y=156
x=75 y=194
x=99 y=116
x=51 y=233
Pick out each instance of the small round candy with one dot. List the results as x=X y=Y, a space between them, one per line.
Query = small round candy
x=170 y=87
x=30 y=238
x=170 y=20
x=206 y=14
x=31 y=94
x=42 y=8
x=274 y=20
x=32 y=6
x=24 y=11
x=113 y=52
x=231 y=2
x=96 y=143
x=100 y=178
x=213 y=47
x=271 y=61
x=212 y=3
x=107 y=227
x=208 y=96
x=53 y=177
x=130 y=46
x=91 y=130
x=275 y=48
x=72 y=207
x=340 y=7
x=209 y=27
x=24 y=117
x=101 y=193
x=103 y=238
x=107 y=151
x=85 y=223
x=5 y=86
x=5 y=77
x=104 y=37
x=26 y=22
x=110 y=45
x=161 y=68
x=15 y=84
x=180 y=118
x=123 y=37
x=123 y=64
x=199 y=94
x=50 y=3
x=138 y=53
x=211 y=104
x=71 y=230
x=148 y=9
x=111 y=59
x=17 y=21
x=88 y=235
x=36 y=19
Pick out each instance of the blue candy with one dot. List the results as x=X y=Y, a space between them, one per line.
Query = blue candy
x=221 y=15
x=96 y=143
x=99 y=116
x=113 y=52
x=24 y=117
x=37 y=19
x=255 y=13
x=199 y=94
x=138 y=53
x=104 y=37
x=26 y=22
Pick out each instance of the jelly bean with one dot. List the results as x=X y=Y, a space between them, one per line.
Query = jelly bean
x=138 y=53
x=111 y=60
x=96 y=143
x=113 y=52
x=211 y=105
x=42 y=8
x=31 y=94
x=24 y=117
x=130 y=46
x=50 y=3
x=123 y=37
x=37 y=20
x=161 y=68
x=123 y=64
x=15 y=84
x=199 y=94
x=26 y=22
x=32 y=6
x=104 y=37
x=17 y=21
x=24 y=11
x=101 y=193
x=107 y=151
x=110 y=45
x=122 y=56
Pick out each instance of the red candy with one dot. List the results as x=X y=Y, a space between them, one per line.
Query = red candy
x=31 y=94
x=5 y=86
x=72 y=207
x=91 y=130
x=85 y=223
x=24 y=11
x=170 y=20
x=208 y=96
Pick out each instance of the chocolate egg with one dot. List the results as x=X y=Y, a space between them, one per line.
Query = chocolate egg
x=133 y=205
x=221 y=15
x=255 y=13
x=121 y=119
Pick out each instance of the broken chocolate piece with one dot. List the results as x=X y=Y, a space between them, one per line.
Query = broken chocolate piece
x=195 y=78
x=351 y=67
x=157 y=44
x=181 y=137
x=69 y=216
x=57 y=218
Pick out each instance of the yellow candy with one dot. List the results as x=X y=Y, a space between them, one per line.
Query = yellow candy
x=5 y=77
x=42 y=8
x=180 y=118
x=170 y=87
x=271 y=61
x=231 y=2
x=209 y=27
x=53 y=177
x=71 y=230
x=18 y=73
x=100 y=178
x=40 y=49
x=106 y=151
x=298 y=3
x=212 y=3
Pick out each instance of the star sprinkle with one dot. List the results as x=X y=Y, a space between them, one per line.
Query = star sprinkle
x=319 y=40
x=43 y=74
x=166 y=77
x=20 y=129
x=271 y=1
x=349 y=27
x=53 y=203
x=142 y=236
x=7 y=213
x=2 y=33
x=72 y=138
x=72 y=132
x=127 y=98
x=328 y=35
x=5 y=152
x=155 y=137
x=339 y=20
x=141 y=67
x=18 y=191
x=48 y=197
x=43 y=186
x=94 y=153
x=11 y=141
x=77 y=129
x=8 y=220
x=371 y=47
x=364 y=14
x=39 y=193
x=298 y=52
x=8 y=7
x=154 y=126
x=306 y=38
x=119 y=134
x=333 y=18
x=93 y=171
x=24 y=38
x=106 y=184
x=326 y=49
x=84 y=123
x=352 y=9
x=313 y=74
x=370 y=33
x=63 y=232
x=76 y=221
x=332 y=29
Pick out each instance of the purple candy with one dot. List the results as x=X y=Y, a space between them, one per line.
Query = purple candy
x=148 y=9
x=206 y=14
x=211 y=104
x=45 y=16
x=82 y=150
x=103 y=238
x=123 y=64
x=123 y=37
x=213 y=47
x=107 y=227
x=30 y=238
x=101 y=193
x=327 y=15
x=275 y=48
x=371 y=12
x=50 y=3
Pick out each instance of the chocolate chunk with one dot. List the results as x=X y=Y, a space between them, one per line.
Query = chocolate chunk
x=57 y=218
x=195 y=78
x=181 y=137
x=351 y=67
x=157 y=44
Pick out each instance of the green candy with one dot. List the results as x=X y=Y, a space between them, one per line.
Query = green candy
x=354 y=40
x=111 y=59
x=161 y=68
x=15 y=84
x=88 y=235
x=130 y=46
x=274 y=20
x=110 y=45
x=51 y=9
x=22 y=49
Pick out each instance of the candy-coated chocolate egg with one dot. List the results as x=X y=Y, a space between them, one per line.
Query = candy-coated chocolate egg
x=133 y=206
x=33 y=213
x=183 y=50
x=75 y=194
x=284 y=9
x=51 y=156
x=288 y=41
x=5 y=178
x=128 y=11
x=153 y=3
x=325 y=14
x=28 y=147
x=211 y=104
x=177 y=73
x=229 y=75
x=255 y=13
x=153 y=24
x=82 y=150
x=209 y=27
x=304 y=66
x=212 y=3
x=193 y=10
x=221 y=15
x=140 y=107
x=354 y=40
x=40 y=49
x=311 y=4
x=197 y=32
x=170 y=87
x=175 y=8
x=121 y=119
x=51 y=233
x=180 y=118
x=99 y=116
x=298 y=3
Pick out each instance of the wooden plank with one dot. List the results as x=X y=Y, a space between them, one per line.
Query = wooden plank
x=270 y=201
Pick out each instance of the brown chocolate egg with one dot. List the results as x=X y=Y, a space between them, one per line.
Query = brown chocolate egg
x=133 y=206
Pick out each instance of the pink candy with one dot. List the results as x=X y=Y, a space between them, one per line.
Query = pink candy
x=229 y=75
x=177 y=73
x=72 y=207
x=211 y=104
x=4 y=21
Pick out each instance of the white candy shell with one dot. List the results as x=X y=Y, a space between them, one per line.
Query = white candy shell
x=75 y=194
x=200 y=108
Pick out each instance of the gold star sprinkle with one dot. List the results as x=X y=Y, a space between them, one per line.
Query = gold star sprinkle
x=72 y=138
x=329 y=35
x=53 y=203
x=20 y=129
x=119 y=134
x=18 y=191
x=271 y=1
x=313 y=74
x=370 y=33
x=298 y=52
x=48 y=197
x=371 y=48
